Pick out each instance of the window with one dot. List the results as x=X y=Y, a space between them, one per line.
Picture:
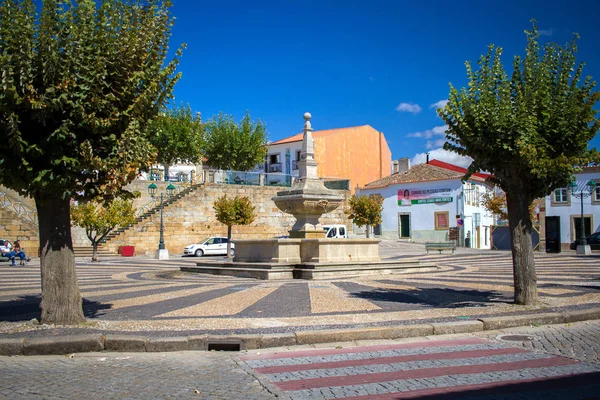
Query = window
x=273 y=158
x=441 y=220
x=596 y=195
x=560 y=197
x=342 y=231
x=298 y=152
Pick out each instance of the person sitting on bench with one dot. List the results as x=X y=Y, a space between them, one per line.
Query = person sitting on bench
x=19 y=252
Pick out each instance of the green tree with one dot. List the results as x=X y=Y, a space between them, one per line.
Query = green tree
x=233 y=146
x=99 y=219
x=236 y=211
x=366 y=211
x=80 y=81
x=530 y=130
x=177 y=135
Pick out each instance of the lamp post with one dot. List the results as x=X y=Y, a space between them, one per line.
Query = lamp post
x=582 y=246
x=162 y=253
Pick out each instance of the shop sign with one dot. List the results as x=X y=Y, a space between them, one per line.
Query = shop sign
x=407 y=197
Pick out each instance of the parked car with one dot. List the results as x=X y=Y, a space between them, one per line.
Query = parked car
x=209 y=246
x=593 y=240
x=335 y=231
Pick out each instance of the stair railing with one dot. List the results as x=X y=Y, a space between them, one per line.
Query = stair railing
x=17 y=206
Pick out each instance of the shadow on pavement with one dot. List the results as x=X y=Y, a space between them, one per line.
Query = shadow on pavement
x=583 y=386
x=448 y=298
x=27 y=307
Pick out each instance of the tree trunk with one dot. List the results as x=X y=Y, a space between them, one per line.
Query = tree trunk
x=368 y=228
x=520 y=227
x=228 y=241
x=166 y=171
x=61 y=300
x=95 y=251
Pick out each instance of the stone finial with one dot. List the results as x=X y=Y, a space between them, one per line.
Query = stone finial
x=307 y=118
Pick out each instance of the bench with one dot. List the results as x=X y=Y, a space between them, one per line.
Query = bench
x=440 y=246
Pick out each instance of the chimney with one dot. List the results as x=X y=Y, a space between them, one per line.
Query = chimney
x=395 y=167
x=403 y=164
x=427 y=158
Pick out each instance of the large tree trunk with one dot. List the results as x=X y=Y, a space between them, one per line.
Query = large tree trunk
x=61 y=300
x=520 y=227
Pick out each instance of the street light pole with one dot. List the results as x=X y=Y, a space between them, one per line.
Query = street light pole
x=582 y=246
x=161 y=241
x=161 y=253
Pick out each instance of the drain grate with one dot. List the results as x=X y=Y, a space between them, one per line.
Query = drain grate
x=519 y=338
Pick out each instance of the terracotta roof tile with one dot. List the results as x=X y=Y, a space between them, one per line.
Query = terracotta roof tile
x=417 y=173
x=317 y=134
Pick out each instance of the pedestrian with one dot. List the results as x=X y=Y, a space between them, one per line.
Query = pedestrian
x=19 y=252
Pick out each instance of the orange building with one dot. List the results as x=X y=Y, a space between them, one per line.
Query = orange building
x=359 y=154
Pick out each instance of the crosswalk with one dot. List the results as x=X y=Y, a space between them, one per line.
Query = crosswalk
x=465 y=285
x=462 y=368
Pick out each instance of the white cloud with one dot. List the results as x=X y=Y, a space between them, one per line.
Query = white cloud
x=545 y=32
x=432 y=144
x=428 y=134
x=442 y=155
x=408 y=107
x=439 y=104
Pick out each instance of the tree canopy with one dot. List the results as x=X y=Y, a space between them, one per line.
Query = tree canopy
x=530 y=130
x=100 y=219
x=232 y=146
x=366 y=210
x=177 y=135
x=80 y=82
x=233 y=211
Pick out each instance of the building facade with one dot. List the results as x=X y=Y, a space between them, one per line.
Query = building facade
x=429 y=203
x=564 y=209
x=359 y=154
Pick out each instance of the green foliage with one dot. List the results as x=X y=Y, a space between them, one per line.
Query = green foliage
x=531 y=131
x=100 y=219
x=233 y=146
x=236 y=211
x=366 y=211
x=80 y=82
x=177 y=135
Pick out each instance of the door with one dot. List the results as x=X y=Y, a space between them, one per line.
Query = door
x=552 y=234
x=477 y=238
x=404 y=226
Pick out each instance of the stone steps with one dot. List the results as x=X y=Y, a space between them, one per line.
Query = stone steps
x=87 y=251
x=309 y=271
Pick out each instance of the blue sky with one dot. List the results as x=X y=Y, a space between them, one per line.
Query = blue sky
x=376 y=62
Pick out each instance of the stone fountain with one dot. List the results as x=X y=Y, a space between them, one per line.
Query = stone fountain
x=307 y=254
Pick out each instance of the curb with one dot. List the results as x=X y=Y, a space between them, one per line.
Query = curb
x=124 y=343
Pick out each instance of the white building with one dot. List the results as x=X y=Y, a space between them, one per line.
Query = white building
x=429 y=203
x=563 y=209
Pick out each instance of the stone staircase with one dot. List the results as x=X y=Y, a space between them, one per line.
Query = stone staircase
x=87 y=251
x=148 y=212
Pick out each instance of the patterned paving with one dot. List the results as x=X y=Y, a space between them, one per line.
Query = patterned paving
x=158 y=294
x=466 y=368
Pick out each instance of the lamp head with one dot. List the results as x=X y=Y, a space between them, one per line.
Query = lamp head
x=152 y=189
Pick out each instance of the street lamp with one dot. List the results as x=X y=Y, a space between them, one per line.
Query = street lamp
x=582 y=246
x=162 y=253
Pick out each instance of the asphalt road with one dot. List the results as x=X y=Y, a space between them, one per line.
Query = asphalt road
x=556 y=362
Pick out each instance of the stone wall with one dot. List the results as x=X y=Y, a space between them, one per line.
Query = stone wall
x=187 y=221
x=192 y=219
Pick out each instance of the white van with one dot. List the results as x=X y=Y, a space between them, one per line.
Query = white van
x=335 y=231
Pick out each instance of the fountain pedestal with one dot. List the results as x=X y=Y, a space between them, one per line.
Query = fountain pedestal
x=307 y=254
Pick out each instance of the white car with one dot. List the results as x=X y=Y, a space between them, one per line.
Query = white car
x=209 y=246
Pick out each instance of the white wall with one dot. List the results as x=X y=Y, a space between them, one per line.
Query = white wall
x=566 y=212
x=422 y=216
